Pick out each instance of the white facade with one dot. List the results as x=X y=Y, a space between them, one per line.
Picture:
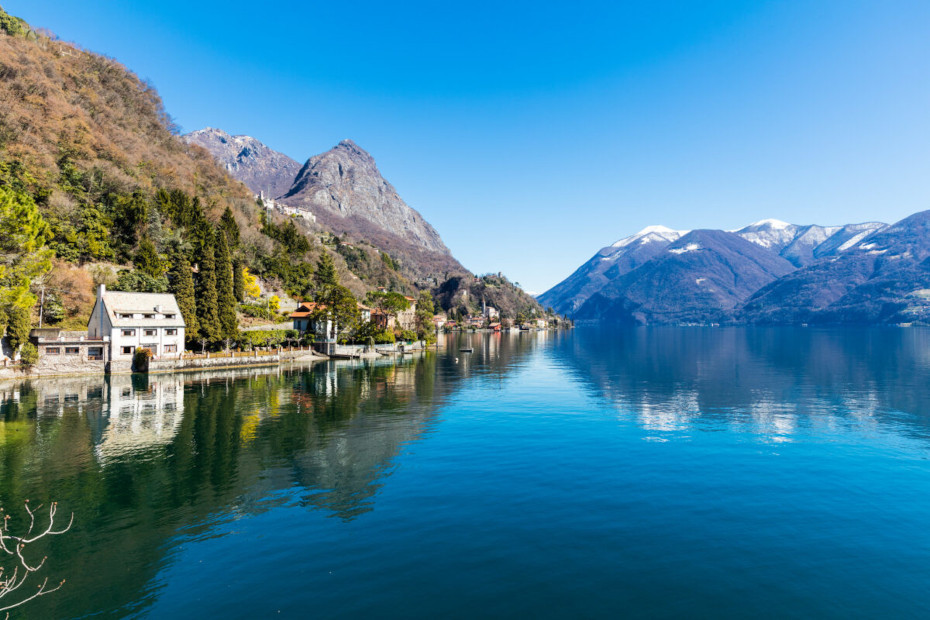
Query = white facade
x=137 y=320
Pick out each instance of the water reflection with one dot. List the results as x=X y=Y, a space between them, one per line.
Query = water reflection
x=139 y=459
x=768 y=382
x=149 y=463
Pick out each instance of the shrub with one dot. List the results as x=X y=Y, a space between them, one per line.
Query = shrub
x=140 y=360
x=264 y=338
x=384 y=337
x=407 y=335
x=29 y=354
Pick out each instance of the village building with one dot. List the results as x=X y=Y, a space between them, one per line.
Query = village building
x=407 y=319
x=382 y=319
x=132 y=321
x=306 y=321
x=68 y=352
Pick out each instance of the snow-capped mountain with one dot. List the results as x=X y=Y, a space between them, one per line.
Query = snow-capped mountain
x=663 y=275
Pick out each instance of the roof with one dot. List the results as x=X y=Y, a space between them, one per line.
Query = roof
x=305 y=309
x=50 y=335
x=121 y=302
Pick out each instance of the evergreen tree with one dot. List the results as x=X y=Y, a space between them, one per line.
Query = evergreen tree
x=17 y=330
x=25 y=257
x=208 y=321
x=238 y=281
x=325 y=276
x=182 y=285
x=226 y=301
x=147 y=259
x=231 y=228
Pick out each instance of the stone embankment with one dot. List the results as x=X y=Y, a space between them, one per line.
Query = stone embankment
x=184 y=363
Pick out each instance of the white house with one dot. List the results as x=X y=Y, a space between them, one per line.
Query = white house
x=150 y=321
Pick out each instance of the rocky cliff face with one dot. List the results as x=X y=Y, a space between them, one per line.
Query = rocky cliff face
x=344 y=188
x=345 y=191
x=262 y=169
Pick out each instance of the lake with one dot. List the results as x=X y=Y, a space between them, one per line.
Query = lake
x=655 y=472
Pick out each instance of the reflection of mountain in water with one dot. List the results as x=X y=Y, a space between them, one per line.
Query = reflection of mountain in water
x=771 y=379
x=140 y=459
x=136 y=458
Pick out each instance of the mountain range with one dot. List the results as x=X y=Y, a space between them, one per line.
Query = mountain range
x=770 y=272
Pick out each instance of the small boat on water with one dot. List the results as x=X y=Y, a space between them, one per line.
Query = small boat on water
x=466 y=350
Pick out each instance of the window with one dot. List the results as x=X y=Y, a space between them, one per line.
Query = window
x=95 y=353
x=148 y=316
x=125 y=316
x=171 y=332
x=169 y=316
x=72 y=350
x=129 y=332
x=52 y=351
x=150 y=332
x=171 y=348
x=127 y=350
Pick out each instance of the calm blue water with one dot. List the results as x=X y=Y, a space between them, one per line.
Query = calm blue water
x=649 y=473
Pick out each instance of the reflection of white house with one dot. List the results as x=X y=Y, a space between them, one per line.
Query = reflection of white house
x=150 y=321
x=139 y=416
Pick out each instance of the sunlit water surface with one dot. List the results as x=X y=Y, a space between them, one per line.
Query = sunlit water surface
x=655 y=472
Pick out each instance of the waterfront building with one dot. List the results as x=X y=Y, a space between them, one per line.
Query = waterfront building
x=134 y=321
x=68 y=352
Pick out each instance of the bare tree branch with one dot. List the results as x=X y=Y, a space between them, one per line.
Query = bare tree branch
x=14 y=546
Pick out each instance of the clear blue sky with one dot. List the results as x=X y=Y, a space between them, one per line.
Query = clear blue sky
x=531 y=134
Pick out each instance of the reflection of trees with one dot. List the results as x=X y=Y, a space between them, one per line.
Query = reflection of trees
x=774 y=378
x=134 y=478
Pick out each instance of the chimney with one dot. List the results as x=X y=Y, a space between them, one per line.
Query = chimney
x=101 y=289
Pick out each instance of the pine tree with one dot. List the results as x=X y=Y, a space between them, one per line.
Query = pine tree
x=325 y=276
x=182 y=285
x=207 y=317
x=226 y=300
x=238 y=281
x=147 y=259
x=231 y=228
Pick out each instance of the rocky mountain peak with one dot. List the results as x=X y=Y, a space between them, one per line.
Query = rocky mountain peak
x=344 y=189
x=261 y=168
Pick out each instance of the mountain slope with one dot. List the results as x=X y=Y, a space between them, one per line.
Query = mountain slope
x=802 y=245
x=608 y=264
x=345 y=191
x=701 y=277
x=80 y=121
x=883 y=277
x=262 y=169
